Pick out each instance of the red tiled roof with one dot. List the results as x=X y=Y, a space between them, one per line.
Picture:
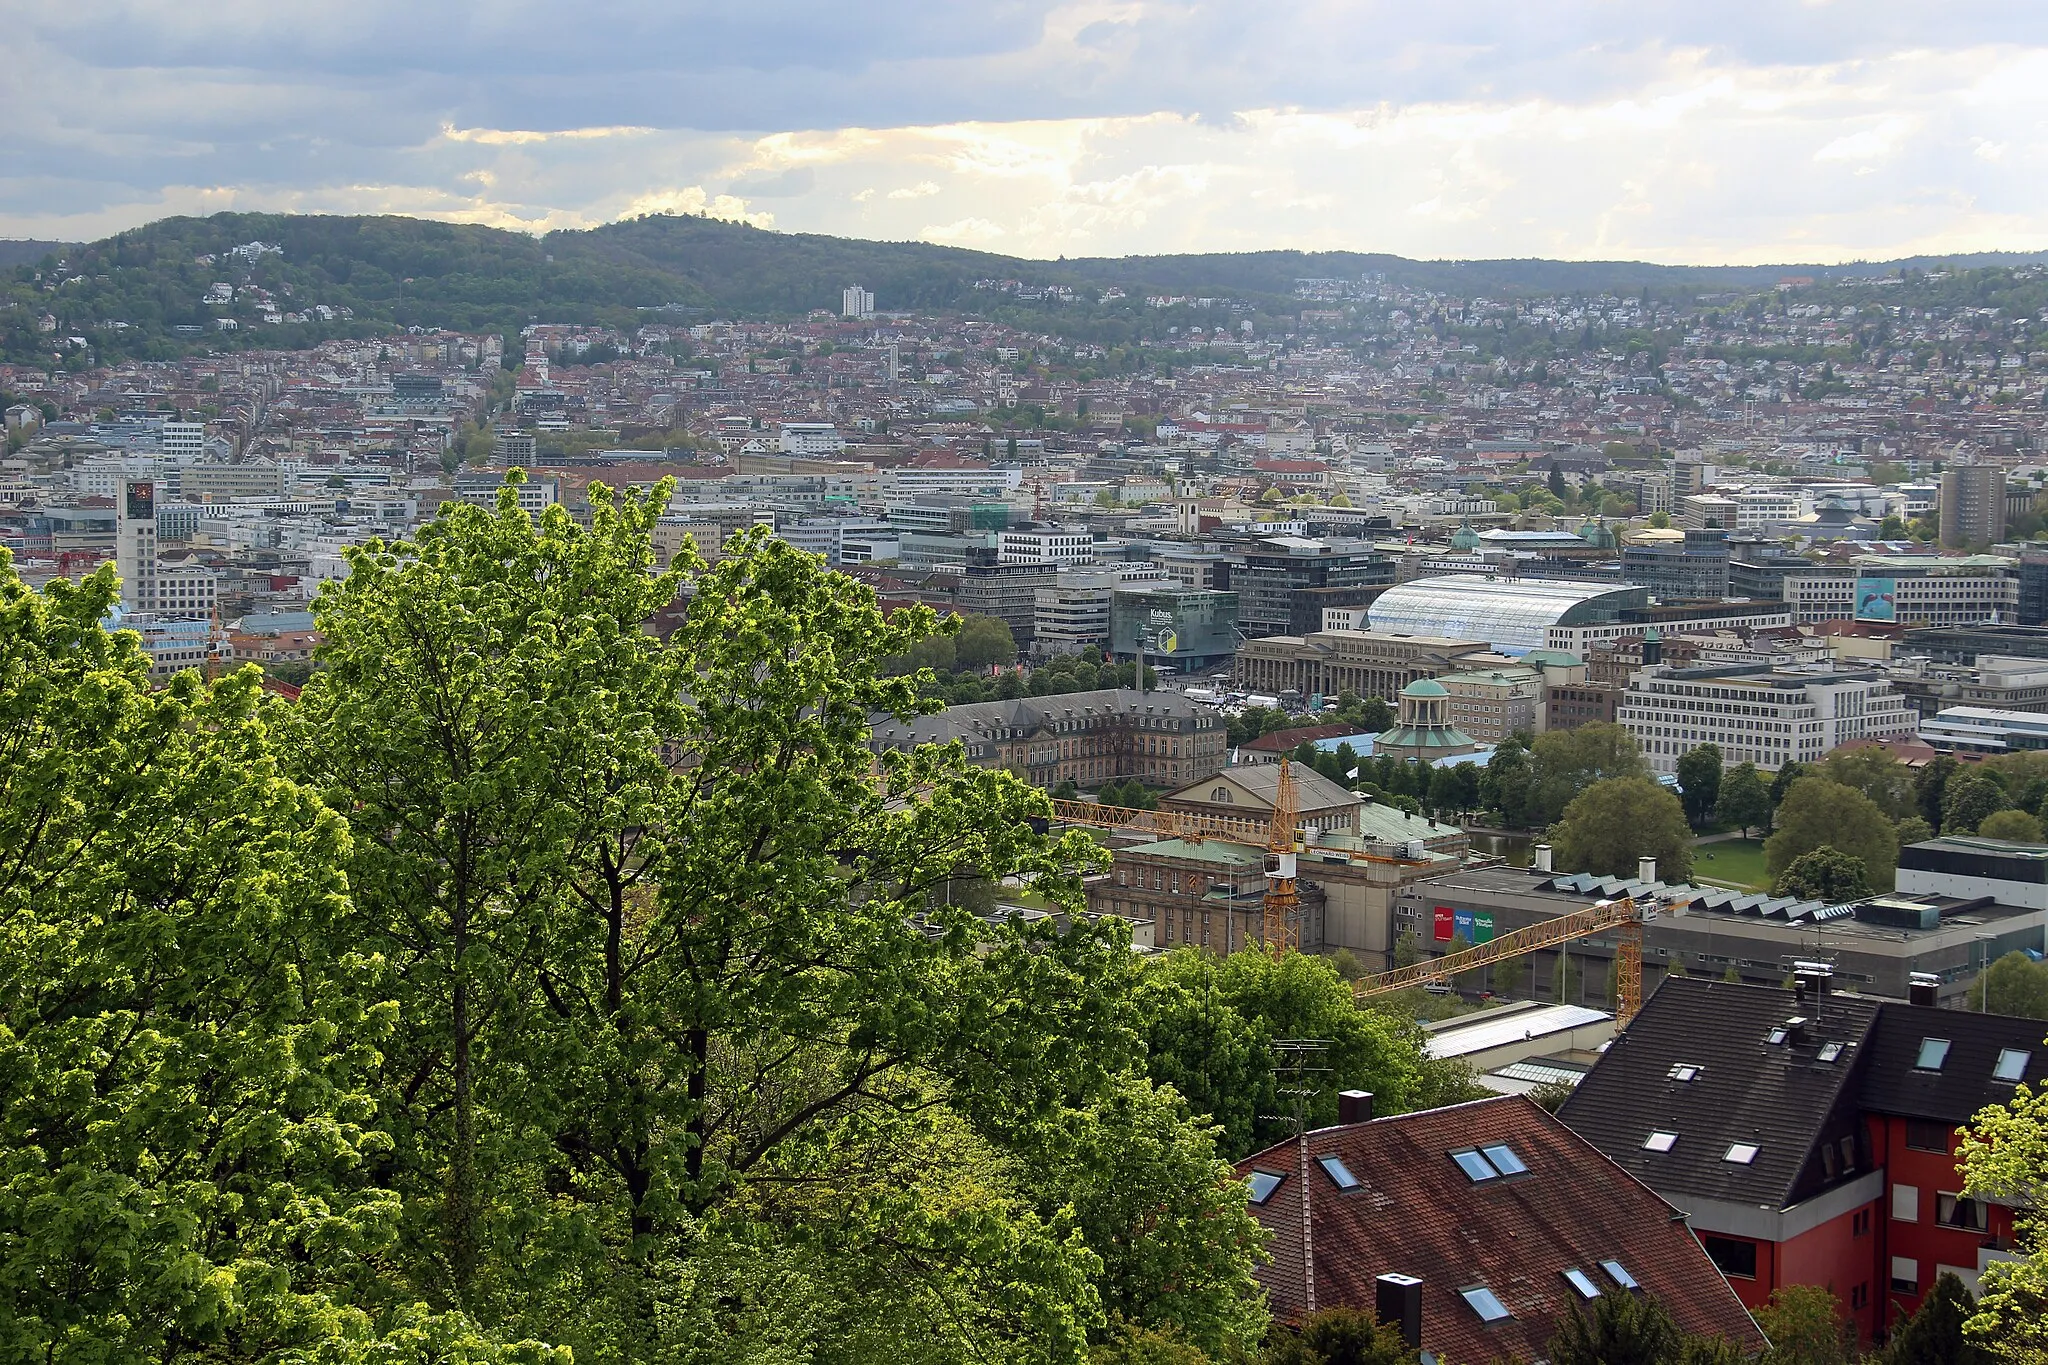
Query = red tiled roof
x=1414 y=1212
x=1285 y=741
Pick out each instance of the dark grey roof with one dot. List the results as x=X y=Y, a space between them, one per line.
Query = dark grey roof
x=1893 y=1083
x=1780 y=1097
x=979 y=721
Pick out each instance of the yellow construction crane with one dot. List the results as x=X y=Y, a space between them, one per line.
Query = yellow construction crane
x=1282 y=930
x=1627 y=915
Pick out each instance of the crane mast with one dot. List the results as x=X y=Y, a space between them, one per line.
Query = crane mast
x=1282 y=929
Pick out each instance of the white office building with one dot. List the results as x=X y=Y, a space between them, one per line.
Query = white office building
x=1918 y=590
x=1045 y=545
x=184 y=442
x=1768 y=717
x=811 y=438
x=1072 y=614
x=856 y=302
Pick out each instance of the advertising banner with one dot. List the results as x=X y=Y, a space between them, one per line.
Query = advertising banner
x=1482 y=927
x=1443 y=924
x=1877 y=599
x=1462 y=923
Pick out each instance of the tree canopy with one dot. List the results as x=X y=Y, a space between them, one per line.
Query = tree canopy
x=1611 y=824
x=1699 y=782
x=1818 y=812
x=1563 y=763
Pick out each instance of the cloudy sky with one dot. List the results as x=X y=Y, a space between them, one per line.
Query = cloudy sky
x=1669 y=130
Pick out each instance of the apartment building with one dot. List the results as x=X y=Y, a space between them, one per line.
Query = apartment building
x=1045 y=545
x=1972 y=505
x=1767 y=717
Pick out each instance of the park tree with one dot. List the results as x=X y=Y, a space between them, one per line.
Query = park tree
x=1823 y=874
x=2016 y=825
x=1913 y=830
x=982 y=641
x=1818 y=812
x=1967 y=800
x=1874 y=772
x=1564 y=763
x=186 y=1126
x=1930 y=787
x=2015 y=984
x=1699 y=782
x=1781 y=781
x=1611 y=824
x=1745 y=800
x=1508 y=783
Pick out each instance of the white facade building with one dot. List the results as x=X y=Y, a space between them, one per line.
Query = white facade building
x=856 y=302
x=1941 y=593
x=1045 y=545
x=184 y=442
x=1072 y=614
x=1766 y=717
x=135 y=544
x=811 y=438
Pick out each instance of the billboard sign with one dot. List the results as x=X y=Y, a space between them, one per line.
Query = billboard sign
x=1443 y=924
x=1462 y=923
x=1877 y=599
x=1482 y=926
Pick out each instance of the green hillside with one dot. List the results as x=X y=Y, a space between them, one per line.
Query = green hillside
x=143 y=293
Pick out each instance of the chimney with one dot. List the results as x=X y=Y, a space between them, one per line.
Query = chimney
x=1354 y=1106
x=1923 y=988
x=1795 y=1031
x=1813 y=978
x=1397 y=1302
x=1646 y=869
x=1540 y=857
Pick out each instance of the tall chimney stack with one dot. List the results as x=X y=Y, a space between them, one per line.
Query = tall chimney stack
x=1397 y=1302
x=1354 y=1106
x=1923 y=988
x=1540 y=857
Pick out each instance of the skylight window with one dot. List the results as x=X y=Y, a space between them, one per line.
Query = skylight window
x=1504 y=1160
x=1619 y=1274
x=1660 y=1141
x=1340 y=1174
x=1777 y=1036
x=1741 y=1153
x=1829 y=1052
x=1475 y=1166
x=1684 y=1071
x=1263 y=1185
x=2012 y=1064
x=1933 y=1052
x=1581 y=1281
x=1484 y=1302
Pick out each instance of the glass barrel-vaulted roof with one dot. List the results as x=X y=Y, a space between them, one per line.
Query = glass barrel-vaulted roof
x=1512 y=615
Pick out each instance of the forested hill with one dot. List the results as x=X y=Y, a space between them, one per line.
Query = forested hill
x=145 y=292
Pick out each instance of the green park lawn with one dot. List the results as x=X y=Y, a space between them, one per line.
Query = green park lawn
x=1736 y=862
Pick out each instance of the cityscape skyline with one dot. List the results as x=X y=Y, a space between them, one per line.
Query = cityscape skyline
x=1754 y=135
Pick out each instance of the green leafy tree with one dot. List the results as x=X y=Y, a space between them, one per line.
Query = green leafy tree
x=1699 y=782
x=1935 y=1334
x=983 y=640
x=1930 y=787
x=676 y=984
x=1564 y=763
x=1375 y=716
x=2004 y=1156
x=1611 y=824
x=1818 y=812
x=1781 y=781
x=1875 y=773
x=1806 y=1326
x=1913 y=830
x=1967 y=800
x=1508 y=783
x=1294 y=995
x=2015 y=825
x=1823 y=874
x=1618 y=1329
x=1744 y=800
x=1337 y=1336
x=185 y=1128
x=2015 y=984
